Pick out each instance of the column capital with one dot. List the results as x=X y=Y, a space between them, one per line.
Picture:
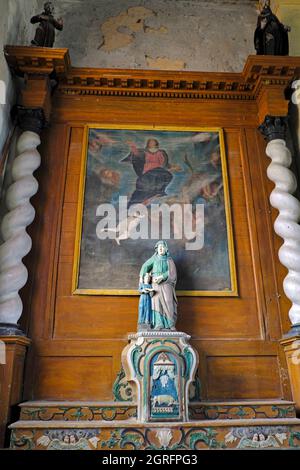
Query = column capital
x=274 y=127
x=11 y=330
x=41 y=68
x=29 y=119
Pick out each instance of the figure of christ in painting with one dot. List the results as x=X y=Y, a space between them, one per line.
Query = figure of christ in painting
x=151 y=167
x=145 y=304
x=164 y=277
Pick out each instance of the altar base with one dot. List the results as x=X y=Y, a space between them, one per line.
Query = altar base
x=160 y=366
x=263 y=424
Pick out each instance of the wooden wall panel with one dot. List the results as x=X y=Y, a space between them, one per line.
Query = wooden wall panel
x=76 y=369
x=88 y=378
x=243 y=377
x=78 y=339
x=114 y=110
x=202 y=315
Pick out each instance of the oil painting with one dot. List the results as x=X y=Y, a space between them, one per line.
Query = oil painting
x=140 y=185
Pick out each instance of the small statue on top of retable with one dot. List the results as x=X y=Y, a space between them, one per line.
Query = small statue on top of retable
x=271 y=36
x=45 y=33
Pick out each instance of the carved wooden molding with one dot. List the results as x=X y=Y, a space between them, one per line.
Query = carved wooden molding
x=244 y=86
x=259 y=72
x=26 y=60
x=19 y=340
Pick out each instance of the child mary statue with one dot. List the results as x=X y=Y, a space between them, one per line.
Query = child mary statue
x=145 y=304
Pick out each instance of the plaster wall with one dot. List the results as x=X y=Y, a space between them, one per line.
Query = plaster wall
x=158 y=34
x=212 y=35
x=14 y=29
x=288 y=11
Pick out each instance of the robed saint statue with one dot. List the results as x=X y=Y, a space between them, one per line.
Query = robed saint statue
x=163 y=297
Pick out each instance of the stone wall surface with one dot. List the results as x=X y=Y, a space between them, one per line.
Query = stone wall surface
x=199 y=35
x=158 y=34
x=15 y=28
x=147 y=34
x=288 y=11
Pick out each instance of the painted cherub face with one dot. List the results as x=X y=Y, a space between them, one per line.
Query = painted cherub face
x=147 y=278
x=161 y=249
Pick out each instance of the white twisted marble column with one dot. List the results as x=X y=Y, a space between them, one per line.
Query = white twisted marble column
x=286 y=224
x=17 y=243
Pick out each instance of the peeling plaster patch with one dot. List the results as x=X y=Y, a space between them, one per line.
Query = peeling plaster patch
x=153 y=25
x=200 y=32
x=163 y=63
x=161 y=30
x=119 y=31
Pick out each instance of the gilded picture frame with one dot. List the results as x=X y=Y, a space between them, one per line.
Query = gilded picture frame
x=106 y=143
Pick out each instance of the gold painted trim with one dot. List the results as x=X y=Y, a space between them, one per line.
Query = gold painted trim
x=233 y=292
x=79 y=219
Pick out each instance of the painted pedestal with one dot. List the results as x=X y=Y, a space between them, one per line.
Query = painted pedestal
x=291 y=346
x=160 y=366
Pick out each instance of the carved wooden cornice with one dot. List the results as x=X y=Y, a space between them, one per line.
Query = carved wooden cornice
x=197 y=85
x=259 y=71
x=26 y=60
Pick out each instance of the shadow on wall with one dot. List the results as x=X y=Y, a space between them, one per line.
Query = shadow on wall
x=19 y=28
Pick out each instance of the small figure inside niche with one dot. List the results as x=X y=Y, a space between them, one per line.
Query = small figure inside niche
x=45 y=33
x=145 y=305
x=271 y=36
